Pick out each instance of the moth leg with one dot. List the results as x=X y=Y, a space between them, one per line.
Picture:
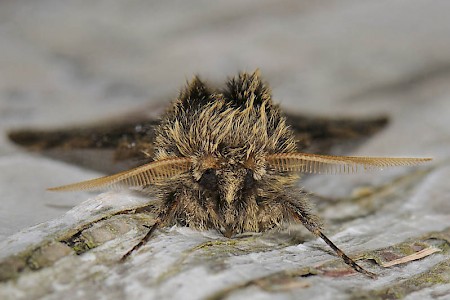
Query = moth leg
x=344 y=256
x=162 y=217
x=143 y=241
x=310 y=222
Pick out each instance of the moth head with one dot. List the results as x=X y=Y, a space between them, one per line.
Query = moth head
x=226 y=178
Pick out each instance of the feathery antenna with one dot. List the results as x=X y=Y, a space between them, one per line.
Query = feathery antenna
x=330 y=164
x=148 y=174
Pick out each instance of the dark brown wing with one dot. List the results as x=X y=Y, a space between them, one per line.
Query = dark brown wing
x=109 y=147
x=324 y=135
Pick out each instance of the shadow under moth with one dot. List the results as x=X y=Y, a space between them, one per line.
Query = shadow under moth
x=225 y=159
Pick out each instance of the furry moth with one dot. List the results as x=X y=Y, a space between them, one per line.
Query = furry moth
x=227 y=160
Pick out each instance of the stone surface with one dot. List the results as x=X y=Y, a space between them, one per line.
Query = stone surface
x=74 y=62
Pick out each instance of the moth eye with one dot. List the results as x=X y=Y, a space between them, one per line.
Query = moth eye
x=209 y=179
x=249 y=180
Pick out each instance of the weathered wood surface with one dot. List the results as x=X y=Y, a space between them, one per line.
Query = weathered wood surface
x=74 y=62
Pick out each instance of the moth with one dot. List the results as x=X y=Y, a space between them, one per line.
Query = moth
x=225 y=159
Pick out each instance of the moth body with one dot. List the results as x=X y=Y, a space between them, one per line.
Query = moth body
x=227 y=135
x=225 y=159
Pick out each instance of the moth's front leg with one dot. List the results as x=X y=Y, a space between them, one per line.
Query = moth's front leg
x=163 y=216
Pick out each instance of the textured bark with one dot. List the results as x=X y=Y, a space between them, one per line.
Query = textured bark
x=67 y=63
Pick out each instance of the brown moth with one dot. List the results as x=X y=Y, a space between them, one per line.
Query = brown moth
x=227 y=160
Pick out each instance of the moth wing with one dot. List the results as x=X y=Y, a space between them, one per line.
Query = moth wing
x=126 y=142
x=107 y=147
x=320 y=135
x=330 y=164
x=145 y=175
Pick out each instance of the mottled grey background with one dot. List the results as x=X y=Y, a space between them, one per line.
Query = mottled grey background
x=74 y=62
